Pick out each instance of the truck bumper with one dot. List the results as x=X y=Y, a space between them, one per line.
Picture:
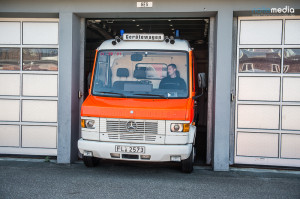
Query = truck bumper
x=157 y=153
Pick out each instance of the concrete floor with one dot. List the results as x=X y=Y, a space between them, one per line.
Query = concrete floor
x=27 y=178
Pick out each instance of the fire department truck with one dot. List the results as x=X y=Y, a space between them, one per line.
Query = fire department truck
x=141 y=102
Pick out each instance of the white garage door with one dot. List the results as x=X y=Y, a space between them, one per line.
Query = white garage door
x=28 y=86
x=267 y=124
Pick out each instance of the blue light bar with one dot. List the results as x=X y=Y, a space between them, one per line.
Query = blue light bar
x=177 y=33
x=122 y=32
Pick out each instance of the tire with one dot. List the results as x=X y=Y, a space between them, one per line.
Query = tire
x=187 y=164
x=90 y=161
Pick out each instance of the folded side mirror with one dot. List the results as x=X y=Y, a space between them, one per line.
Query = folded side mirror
x=201 y=80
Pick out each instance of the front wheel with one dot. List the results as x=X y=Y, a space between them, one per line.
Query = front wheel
x=187 y=164
x=90 y=161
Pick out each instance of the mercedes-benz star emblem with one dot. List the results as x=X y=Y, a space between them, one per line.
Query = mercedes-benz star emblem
x=131 y=126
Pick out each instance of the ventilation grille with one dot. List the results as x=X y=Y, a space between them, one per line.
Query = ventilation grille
x=117 y=126
x=144 y=131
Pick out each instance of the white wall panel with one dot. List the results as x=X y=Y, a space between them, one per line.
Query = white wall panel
x=39 y=111
x=292 y=30
x=39 y=85
x=10 y=32
x=40 y=33
x=39 y=136
x=291 y=117
x=9 y=110
x=261 y=32
x=290 y=146
x=258 y=116
x=291 y=88
x=9 y=84
x=259 y=88
x=9 y=135
x=257 y=144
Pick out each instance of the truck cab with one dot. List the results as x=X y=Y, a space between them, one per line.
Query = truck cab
x=140 y=105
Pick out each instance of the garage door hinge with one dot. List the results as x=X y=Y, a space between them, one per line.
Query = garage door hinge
x=80 y=94
x=232 y=97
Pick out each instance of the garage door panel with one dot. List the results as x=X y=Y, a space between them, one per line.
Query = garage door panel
x=292 y=29
x=10 y=33
x=258 y=116
x=39 y=111
x=254 y=144
x=267 y=87
x=28 y=86
x=9 y=135
x=291 y=117
x=40 y=33
x=270 y=32
x=39 y=136
x=9 y=84
x=260 y=60
x=259 y=88
x=40 y=59
x=291 y=61
x=290 y=146
x=39 y=85
x=9 y=59
x=291 y=88
x=10 y=110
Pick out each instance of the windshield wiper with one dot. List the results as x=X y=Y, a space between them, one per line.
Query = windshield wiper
x=105 y=92
x=154 y=95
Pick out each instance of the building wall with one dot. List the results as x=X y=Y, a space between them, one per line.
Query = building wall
x=70 y=12
x=90 y=7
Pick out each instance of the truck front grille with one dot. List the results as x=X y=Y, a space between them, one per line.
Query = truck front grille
x=145 y=131
x=132 y=131
x=118 y=126
x=132 y=137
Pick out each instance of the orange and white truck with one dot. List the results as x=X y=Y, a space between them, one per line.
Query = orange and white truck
x=133 y=112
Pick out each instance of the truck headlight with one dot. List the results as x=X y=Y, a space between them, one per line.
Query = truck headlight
x=85 y=123
x=179 y=127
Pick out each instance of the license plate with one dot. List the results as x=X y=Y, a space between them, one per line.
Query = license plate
x=130 y=149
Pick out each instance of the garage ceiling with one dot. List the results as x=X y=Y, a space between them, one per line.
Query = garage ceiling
x=193 y=30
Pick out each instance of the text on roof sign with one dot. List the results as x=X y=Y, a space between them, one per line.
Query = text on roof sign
x=143 y=37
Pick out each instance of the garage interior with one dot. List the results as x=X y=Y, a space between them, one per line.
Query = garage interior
x=195 y=30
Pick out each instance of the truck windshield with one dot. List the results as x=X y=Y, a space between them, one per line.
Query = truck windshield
x=141 y=74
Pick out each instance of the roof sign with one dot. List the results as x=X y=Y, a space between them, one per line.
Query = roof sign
x=143 y=37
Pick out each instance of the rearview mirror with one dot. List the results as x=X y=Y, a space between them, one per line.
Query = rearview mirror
x=201 y=80
x=136 y=57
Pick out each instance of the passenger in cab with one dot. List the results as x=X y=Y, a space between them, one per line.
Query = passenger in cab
x=173 y=79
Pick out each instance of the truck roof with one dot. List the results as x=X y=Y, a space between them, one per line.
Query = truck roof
x=145 y=45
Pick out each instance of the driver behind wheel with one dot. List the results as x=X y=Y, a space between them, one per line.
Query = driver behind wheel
x=173 y=79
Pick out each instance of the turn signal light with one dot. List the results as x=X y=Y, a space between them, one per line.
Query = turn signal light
x=186 y=128
x=82 y=124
